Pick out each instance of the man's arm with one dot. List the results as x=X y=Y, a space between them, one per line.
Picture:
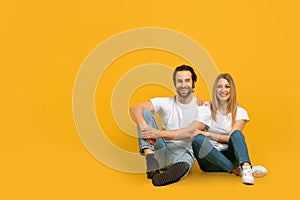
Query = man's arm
x=148 y=132
x=178 y=134
x=136 y=113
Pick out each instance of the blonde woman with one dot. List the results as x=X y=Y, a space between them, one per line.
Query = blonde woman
x=222 y=147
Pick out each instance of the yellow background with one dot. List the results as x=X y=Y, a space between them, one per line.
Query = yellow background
x=43 y=45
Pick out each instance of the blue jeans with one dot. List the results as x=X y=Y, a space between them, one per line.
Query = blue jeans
x=212 y=160
x=166 y=152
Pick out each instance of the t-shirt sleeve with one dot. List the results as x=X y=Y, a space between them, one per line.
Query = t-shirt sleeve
x=158 y=103
x=204 y=115
x=241 y=114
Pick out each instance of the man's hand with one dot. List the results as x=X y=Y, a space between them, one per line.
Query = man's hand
x=200 y=102
x=151 y=141
x=148 y=132
x=198 y=132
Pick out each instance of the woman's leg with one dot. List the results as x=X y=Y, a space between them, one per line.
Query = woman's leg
x=237 y=149
x=208 y=157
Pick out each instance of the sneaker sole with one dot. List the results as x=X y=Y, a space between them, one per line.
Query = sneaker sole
x=173 y=174
x=248 y=183
x=151 y=174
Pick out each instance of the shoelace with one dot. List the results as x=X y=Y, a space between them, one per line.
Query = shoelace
x=247 y=171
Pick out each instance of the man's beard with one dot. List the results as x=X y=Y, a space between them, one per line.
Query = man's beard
x=187 y=91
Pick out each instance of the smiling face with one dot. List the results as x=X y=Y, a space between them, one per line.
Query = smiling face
x=183 y=84
x=223 y=90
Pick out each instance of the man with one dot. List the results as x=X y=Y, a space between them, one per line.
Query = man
x=169 y=148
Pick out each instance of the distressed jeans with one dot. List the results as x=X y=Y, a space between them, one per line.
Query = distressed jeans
x=166 y=152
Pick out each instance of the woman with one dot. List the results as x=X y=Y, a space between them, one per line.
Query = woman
x=222 y=147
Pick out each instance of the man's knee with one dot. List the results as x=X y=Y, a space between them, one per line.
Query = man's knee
x=147 y=115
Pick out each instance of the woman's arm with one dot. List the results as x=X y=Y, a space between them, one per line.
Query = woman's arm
x=224 y=138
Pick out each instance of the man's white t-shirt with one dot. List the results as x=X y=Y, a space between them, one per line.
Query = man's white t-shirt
x=223 y=125
x=176 y=115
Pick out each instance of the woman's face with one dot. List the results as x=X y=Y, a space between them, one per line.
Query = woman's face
x=223 y=90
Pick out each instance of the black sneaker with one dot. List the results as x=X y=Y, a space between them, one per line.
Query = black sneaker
x=152 y=166
x=173 y=174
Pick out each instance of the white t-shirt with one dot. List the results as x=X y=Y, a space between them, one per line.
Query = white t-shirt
x=176 y=115
x=223 y=125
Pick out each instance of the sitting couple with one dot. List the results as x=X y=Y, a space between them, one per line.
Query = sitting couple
x=211 y=133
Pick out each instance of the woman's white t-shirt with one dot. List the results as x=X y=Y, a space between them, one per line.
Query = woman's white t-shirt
x=223 y=125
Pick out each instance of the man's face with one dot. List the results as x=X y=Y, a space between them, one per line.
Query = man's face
x=184 y=83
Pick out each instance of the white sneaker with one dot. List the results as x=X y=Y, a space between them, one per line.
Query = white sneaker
x=247 y=177
x=259 y=171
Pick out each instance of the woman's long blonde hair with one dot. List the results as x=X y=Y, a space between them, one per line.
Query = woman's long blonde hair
x=232 y=102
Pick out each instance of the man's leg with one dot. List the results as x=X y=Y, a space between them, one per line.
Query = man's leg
x=180 y=162
x=147 y=149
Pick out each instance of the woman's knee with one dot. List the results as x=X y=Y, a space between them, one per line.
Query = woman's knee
x=198 y=140
x=237 y=134
x=201 y=146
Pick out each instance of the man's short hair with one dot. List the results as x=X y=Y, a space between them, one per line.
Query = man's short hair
x=185 y=68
